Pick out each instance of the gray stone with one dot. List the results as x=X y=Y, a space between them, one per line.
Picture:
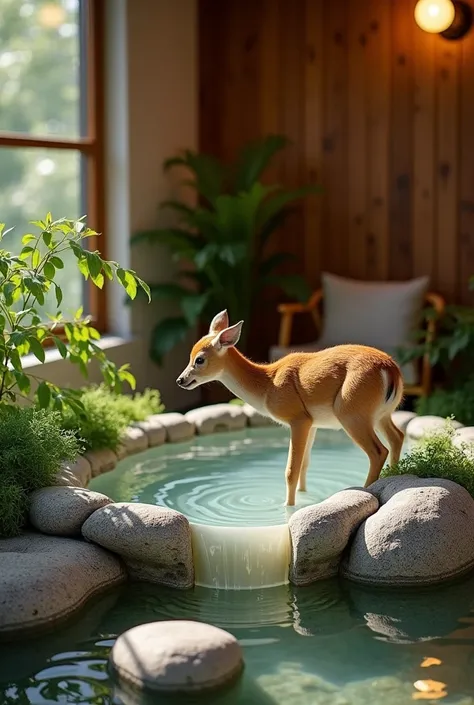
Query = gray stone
x=45 y=579
x=80 y=469
x=155 y=542
x=421 y=425
x=155 y=431
x=177 y=426
x=466 y=434
x=61 y=511
x=134 y=440
x=177 y=656
x=254 y=418
x=101 y=461
x=66 y=478
x=217 y=417
x=423 y=533
x=401 y=419
x=320 y=533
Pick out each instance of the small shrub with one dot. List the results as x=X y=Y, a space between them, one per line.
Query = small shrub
x=437 y=456
x=106 y=415
x=443 y=402
x=140 y=406
x=237 y=402
x=32 y=447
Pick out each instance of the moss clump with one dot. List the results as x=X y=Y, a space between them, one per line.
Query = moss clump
x=106 y=415
x=437 y=456
x=32 y=448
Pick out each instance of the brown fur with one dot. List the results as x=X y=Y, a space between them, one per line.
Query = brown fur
x=343 y=386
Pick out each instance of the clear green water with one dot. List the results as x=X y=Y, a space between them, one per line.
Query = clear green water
x=333 y=643
x=234 y=479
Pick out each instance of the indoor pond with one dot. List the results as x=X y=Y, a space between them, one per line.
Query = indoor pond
x=332 y=643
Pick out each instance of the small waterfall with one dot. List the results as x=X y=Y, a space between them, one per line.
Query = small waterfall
x=241 y=558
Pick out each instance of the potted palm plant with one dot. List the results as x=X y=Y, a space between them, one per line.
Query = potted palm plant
x=224 y=238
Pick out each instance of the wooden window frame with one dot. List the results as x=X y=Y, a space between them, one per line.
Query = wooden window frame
x=91 y=148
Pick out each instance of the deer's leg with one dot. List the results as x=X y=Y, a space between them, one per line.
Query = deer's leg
x=306 y=460
x=298 y=440
x=394 y=436
x=366 y=438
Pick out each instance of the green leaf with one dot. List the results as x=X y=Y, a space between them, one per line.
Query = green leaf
x=166 y=335
x=94 y=263
x=254 y=159
x=186 y=212
x=128 y=281
x=144 y=286
x=274 y=261
x=44 y=395
x=126 y=376
x=47 y=237
x=168 y=291
x=59 y=294
x=49 y=270
x=193 y=305
x=62 y=349
x=207 y=171
x=175 y=239
x=22 y=381
x=294 y=286
x=270 y=209
x=28 y=238
x=57 y=262
x=36 y=348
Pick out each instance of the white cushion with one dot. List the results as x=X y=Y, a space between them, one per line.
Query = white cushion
x=380 y=314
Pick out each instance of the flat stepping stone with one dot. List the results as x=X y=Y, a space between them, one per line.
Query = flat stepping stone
x=176 y=657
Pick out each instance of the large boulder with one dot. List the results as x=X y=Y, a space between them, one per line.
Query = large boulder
x=176 y=656
x=103 y=460
x=74 y=474
x=423 y=533
x=154 y=542
x=401 y=418
x=177 y=426
x=45 y=579
x=217 y=417
x=134 y=440
x=155 y=431
x=320 y=533
x=61 y=511
x=422 y=425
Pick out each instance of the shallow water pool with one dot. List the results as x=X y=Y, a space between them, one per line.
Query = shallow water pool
x=333 y=643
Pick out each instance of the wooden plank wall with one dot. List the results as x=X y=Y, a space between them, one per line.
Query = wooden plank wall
x=379 y=112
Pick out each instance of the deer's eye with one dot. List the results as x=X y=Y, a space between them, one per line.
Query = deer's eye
x=199 y=361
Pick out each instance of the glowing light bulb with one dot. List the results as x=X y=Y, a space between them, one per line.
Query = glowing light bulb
x=434 y=15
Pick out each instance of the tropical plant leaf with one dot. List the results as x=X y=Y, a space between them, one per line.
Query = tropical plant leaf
x=169 y=290
x=182 y=209
x=208 y=172
x=276 y=202
x=193 y=305
x=274 y=261
x=176 y=239
x=166 y=334
x=294 y=285
x=254 y=159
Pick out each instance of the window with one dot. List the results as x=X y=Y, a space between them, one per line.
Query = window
x=50 y=125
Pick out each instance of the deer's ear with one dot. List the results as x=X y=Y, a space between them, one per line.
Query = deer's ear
x=228 y=337
x=219 y=322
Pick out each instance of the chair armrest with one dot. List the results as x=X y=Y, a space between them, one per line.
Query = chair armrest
x=436 y=302
x=287 y=311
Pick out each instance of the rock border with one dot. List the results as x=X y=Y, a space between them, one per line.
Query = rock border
x=72 y=481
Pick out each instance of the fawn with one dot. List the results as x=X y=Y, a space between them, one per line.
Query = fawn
x=350 y=386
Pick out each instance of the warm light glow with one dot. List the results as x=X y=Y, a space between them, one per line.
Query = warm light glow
x=434 y=15
x=51 y=15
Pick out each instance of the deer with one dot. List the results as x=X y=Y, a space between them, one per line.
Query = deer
x=353 y=387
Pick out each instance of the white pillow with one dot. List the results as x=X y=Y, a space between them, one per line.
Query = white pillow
x=383 y=315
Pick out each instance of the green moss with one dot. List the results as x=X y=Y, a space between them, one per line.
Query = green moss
x=437 y=456
x=32 y=447
x=458 y=402
x=107 y=415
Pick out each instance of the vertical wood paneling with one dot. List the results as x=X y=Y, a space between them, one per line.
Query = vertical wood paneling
x=335 y=204
x=379 y=112
x=447 y=168
x=401 y=139
x=358 y=28
x=424 y=196
x=313 y=134
x=466 y=186
x=378 y=140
